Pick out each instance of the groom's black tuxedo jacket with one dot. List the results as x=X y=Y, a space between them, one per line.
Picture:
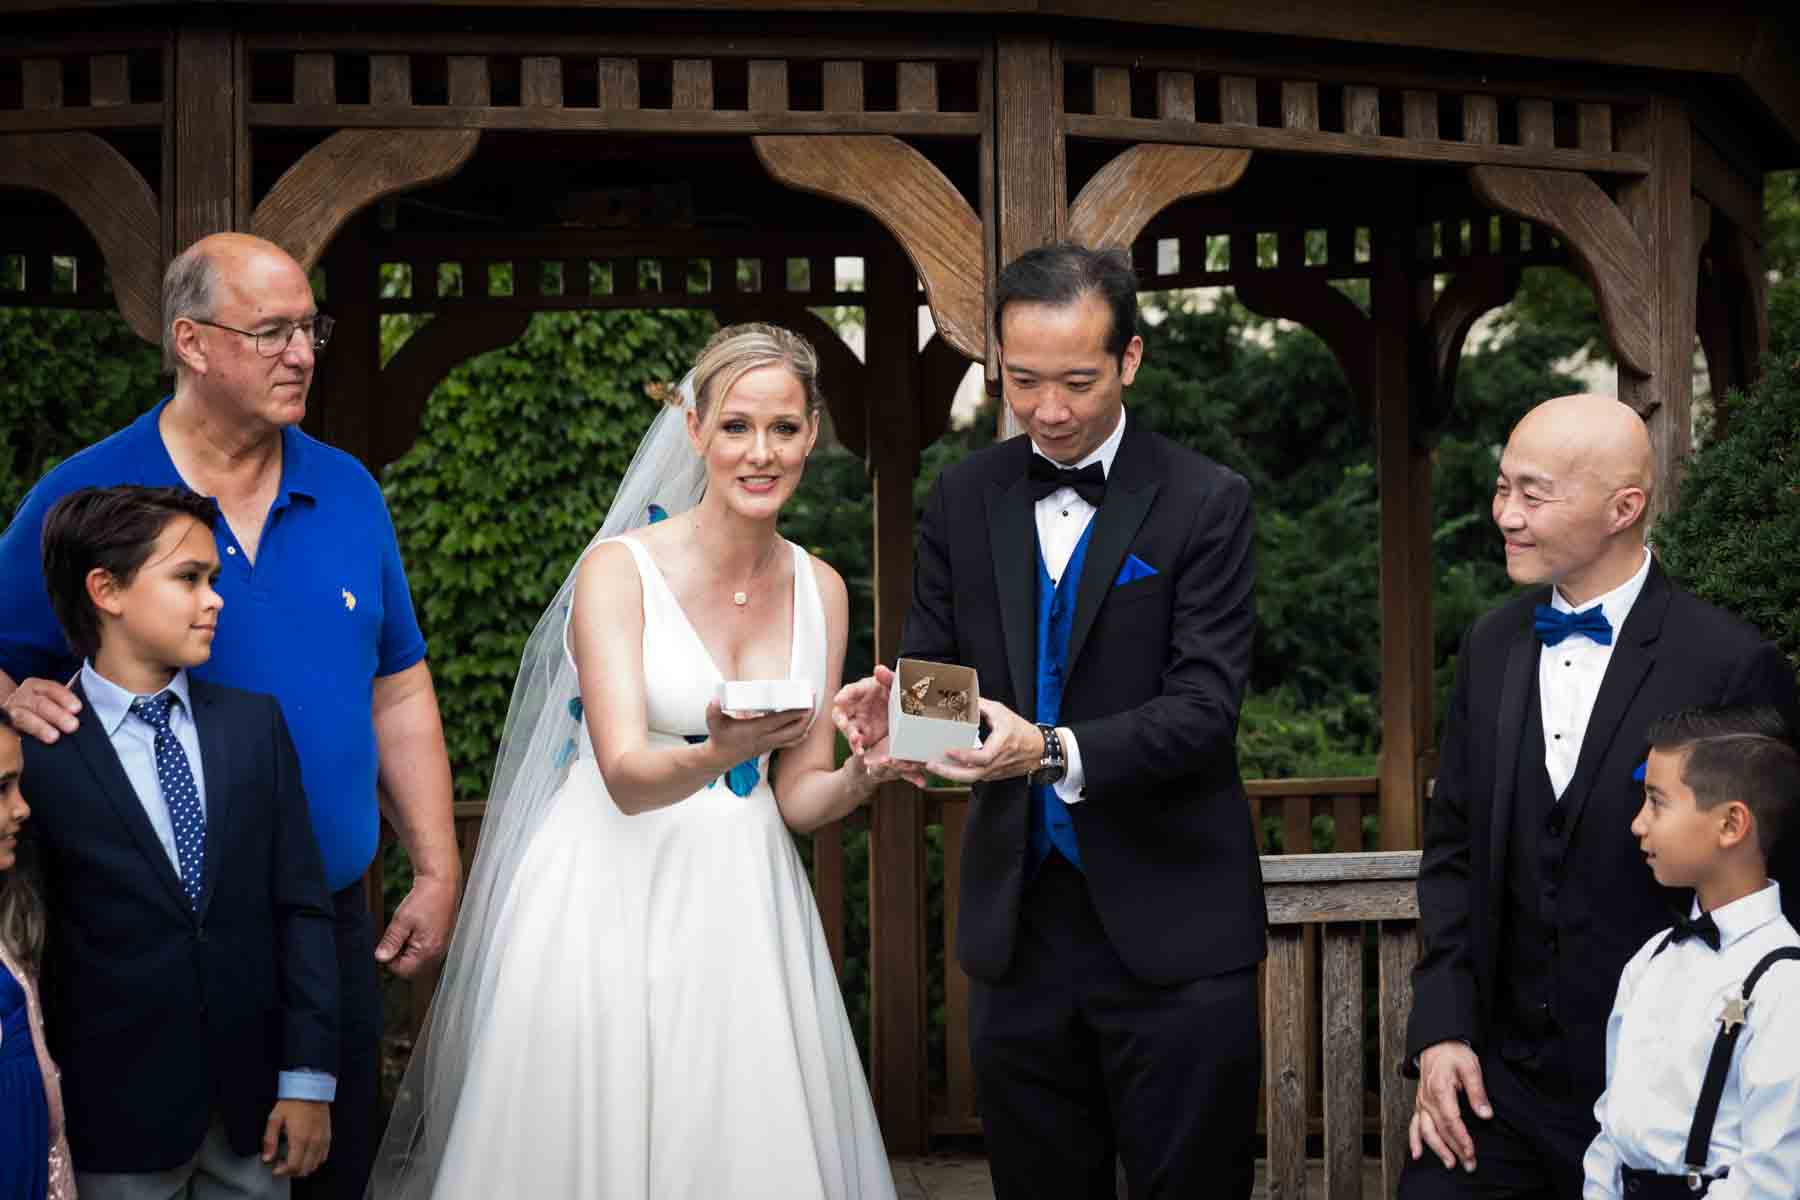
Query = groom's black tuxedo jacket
x=161 y=1017
x=1674 y=651
x=1156 y=671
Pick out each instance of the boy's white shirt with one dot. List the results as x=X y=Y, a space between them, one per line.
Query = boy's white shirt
x=1659 y=1038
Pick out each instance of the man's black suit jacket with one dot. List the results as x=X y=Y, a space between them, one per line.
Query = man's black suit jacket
x=160 y=1017
x=1156 y=672
x=1674 y=652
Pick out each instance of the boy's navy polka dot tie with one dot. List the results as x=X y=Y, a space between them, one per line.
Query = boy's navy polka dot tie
x=176 y=776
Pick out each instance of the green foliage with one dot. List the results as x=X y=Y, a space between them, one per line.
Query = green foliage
x=517 y=459
x=1731 y=537
x=67 y=379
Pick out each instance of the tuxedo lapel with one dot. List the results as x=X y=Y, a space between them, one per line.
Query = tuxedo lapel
x=1012 y=525
x=1634 y=654
x=1509 y=727
x=1130 y=490
x=103 y=762
x=215 y=764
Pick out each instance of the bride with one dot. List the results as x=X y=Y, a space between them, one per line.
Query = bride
x=638 y=1001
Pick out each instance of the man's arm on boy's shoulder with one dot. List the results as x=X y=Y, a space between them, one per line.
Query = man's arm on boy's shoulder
x=34 y=657
x=1769 y=1084
x=303 y=919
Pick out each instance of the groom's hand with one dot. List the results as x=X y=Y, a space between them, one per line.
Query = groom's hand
x=860 y=710
x=1013 y=747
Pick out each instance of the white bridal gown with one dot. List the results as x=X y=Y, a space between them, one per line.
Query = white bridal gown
x=662 y=1019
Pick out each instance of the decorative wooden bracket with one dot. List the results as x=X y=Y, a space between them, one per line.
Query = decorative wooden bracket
x=451 y=338
x=1486 y=285
x=346 y=173
x=1600 y=237
x=913 y=200
x=941 y=370
x=1120 y=199
x=1329 y=314
x=111 y=200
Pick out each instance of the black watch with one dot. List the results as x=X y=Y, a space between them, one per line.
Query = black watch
x=1052 y=767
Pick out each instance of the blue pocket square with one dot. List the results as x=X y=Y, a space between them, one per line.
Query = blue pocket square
x=1134 y=569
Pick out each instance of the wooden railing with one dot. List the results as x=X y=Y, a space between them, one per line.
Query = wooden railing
x=1326 y=912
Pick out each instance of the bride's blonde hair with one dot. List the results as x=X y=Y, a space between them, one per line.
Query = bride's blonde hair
x=736 y=350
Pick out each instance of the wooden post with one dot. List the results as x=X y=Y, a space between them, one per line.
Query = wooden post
x=897 y=909
x=206 y=160
x=1660 y=207
x=344 y=387
x=1030 y=179
x=1399 y=302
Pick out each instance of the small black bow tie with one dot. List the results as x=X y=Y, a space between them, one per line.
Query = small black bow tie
x=1089 y=482
x=1702 y=927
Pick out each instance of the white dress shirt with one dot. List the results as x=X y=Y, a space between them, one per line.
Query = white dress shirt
x=134 y=741
x=1062 y=517
x=1569 y=675
x=1658 y=1041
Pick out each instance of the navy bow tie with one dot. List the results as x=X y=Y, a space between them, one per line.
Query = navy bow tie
x=1702 y=927
x=1089 y=482
x=1552 y=625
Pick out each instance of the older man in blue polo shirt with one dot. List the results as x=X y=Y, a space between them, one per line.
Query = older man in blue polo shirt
x=317 y=613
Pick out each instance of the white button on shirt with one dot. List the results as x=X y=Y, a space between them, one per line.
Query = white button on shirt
x=1658 y=1041
x=1569 y=676
x=1062 y=517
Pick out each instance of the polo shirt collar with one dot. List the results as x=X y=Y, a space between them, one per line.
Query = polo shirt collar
x=1745 y=915
x=298 y=476
x=111 y=703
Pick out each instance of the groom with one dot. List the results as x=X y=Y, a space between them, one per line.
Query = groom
x=1099 y=579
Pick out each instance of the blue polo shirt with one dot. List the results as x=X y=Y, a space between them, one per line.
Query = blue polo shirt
x=321 y=613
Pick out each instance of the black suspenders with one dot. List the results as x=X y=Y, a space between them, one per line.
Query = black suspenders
x=1731 y=1024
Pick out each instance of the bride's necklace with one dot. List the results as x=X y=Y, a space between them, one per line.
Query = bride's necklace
x=741 y=597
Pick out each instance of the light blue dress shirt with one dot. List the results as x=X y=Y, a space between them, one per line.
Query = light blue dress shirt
x=134 y=741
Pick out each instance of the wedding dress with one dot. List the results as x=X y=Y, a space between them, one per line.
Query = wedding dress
x=657 y=1017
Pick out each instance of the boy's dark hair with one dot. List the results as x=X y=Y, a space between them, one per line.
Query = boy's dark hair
x=1064 y=273
x=111 y=528
x=1736 y=754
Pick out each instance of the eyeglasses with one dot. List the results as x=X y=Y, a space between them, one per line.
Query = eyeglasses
x=273 y=342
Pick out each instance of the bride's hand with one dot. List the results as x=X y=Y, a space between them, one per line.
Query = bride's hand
x=738 y=739
x=877 y=768
x=860 y=710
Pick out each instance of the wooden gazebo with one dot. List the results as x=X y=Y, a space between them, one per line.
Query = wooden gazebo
x=728 y=153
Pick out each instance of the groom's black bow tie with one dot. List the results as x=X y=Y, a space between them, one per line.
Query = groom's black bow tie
x=1702 y=927
x=1089 y=482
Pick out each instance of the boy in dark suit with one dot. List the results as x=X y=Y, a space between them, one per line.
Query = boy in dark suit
x=192 y=978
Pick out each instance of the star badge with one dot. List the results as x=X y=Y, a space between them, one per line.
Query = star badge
x=1736 y=1012
x=349 y=600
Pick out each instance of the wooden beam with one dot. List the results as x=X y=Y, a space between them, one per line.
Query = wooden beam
x=1398 y=302
x=114 y=204
x=347 y=382
x=1030 y=174
x=1487 y=284
x=1613 y=254
x=1330 y=315
x=346 y=173
x=913 y=200
x=1661 y=209
x=406 y=383
x=207 y=174
x=1115 y=205
x=897 y=903
x=941 y=371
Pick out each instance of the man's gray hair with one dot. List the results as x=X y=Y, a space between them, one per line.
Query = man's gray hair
x=187 y=289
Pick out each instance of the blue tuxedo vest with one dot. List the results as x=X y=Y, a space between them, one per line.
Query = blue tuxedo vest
x=1051 y=827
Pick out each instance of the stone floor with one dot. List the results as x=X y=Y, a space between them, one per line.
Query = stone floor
x=965 y=1177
